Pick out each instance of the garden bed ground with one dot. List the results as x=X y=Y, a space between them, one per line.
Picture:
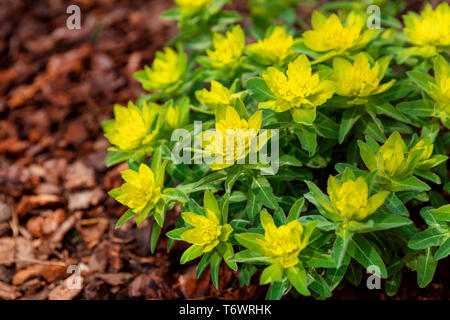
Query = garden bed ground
x=56 y=86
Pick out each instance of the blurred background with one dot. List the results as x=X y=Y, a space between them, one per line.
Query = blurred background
x=56 y=87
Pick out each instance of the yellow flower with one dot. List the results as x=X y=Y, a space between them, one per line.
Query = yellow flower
x=275 y=48
x=390 y=159
x=167 y=69
x=426 y=146
x=440 y=89
x=391 y=156
x=189 y=7
x=431 y=28
x=394 y=161
x=217 y=96
x=227 y=49
x=283 y=243
x=177 y=115
x=233 y=138
x=207 y=231
x=139 y=190
x=329 y=34
x=131 y=128
x=351 y=199
x=359 y=80
x=299 y=90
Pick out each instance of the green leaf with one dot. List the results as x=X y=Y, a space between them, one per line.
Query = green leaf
x=248 y=256
x=296 y=210
x=433 y=236
x=115 y=157
x=418 y=108
x=384 y=221
x=443 y=251
x=204 y=262
x=259 y=89
x=191 y=253
x=312 y=258
x=252 y=241
x=275 y=291
x=326 y=127
x=393 y=283
x=395 y=205
x=426 y=266
x=216 y=259
x=263 y=191
x=341 y=246
x=388 y=110
x=349 y=118
x=411 y=183
x=428 y=175
x=125 y=217
x=297 y=277
x=253 y=206
x=156 y=231
x=365 y=253
x=442 y=213
x=307 y=137
x=334 y=276
x=272 y=273
x=423 y=80
x=173 y=194
x=318 y=284
x=210 y=203
x=176 y=234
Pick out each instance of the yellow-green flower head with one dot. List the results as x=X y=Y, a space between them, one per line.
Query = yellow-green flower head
x=359 y=80
x=224 y=143
x=351 y=199
x=189 y=7
x=275 y=48
x=329 y=34
x=299 y=90
x=283 y=243
x=139 y=190
x=227 y=49
x=431 y=28
x=177 y=114
x=131 y=128
x=440 y=89
x=390 y=159
x=426 y=146
x=219 y=95
x=167 y=69
x=391 y=155
x=207 y=232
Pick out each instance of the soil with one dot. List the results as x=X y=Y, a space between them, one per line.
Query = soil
x=56 y=87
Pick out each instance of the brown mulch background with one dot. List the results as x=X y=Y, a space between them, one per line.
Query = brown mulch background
x=56 y=87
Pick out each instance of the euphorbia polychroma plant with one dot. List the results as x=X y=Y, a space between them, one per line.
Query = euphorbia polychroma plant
x=358 y=177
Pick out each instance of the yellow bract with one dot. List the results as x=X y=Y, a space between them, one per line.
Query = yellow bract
x=217 y=96
x=359 y=80
x=329 y=34
x=189 y=7
x=431 y=28
x=299 y=90
x=390 y=158
x=351 y=199
x=233 y=138
x=227 y=49
x=131 y=128
x=440 y=90
x=167 y=68
x=274 y=48
x=283 y=243
x=207 y=231
x=139 y=190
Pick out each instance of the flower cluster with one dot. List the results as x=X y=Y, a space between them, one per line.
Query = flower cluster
x=358 y=120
